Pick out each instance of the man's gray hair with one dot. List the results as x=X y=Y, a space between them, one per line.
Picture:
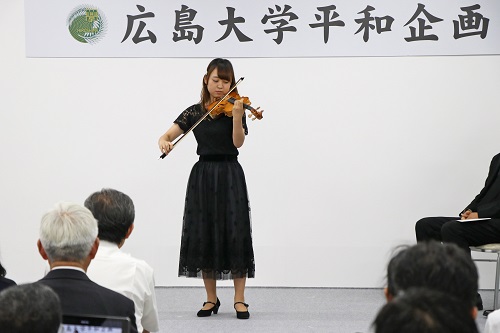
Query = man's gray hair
x=68 y=232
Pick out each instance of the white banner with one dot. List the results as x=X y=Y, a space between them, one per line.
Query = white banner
x=243 y=28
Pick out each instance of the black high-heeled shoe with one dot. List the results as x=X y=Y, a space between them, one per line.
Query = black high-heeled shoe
x=242 y=314
x=208 y=313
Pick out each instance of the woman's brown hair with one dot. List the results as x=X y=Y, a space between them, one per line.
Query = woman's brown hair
x=224 y=72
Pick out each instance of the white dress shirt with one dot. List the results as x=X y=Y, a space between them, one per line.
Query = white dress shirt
x=493 y=322
x=129 y=276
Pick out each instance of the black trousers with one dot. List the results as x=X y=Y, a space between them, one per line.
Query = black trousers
x=464 y=234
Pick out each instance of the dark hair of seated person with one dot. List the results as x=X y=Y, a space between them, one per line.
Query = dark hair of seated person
x=442 y=267
x=421 y=310
x=29 y=308
x=5 y=282
x=3 y=272
x=114 y=212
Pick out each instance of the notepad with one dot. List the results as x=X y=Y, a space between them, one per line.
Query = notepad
x=473 y=220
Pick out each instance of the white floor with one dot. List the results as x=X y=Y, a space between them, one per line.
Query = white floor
x=279 y=310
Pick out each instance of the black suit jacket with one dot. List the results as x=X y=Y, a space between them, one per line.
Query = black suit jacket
x=487 y=209
x=79 y=295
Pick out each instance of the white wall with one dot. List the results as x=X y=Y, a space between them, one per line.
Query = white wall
x=351 y=152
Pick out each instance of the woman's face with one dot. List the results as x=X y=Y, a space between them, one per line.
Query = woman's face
x=216 y=86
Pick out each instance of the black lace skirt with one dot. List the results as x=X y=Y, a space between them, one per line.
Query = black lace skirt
x=217 y=234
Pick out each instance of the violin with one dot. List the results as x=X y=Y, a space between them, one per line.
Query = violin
x=226 y=106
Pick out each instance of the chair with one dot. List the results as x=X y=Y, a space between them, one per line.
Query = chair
x=491 y=248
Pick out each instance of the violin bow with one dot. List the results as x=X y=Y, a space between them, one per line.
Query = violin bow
x=162 y=156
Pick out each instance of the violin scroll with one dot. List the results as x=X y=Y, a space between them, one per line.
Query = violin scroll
x=255 y=113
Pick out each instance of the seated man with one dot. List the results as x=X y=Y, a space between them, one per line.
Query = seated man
x=68 y=240
x=131 y=277
x=435 y=266
x=423 y=310
x=29 y=308
x=485 y=205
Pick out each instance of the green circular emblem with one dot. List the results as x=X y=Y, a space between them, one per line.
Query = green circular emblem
x=87 y=24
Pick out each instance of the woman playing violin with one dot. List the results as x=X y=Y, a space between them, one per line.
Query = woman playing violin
x=216 y=241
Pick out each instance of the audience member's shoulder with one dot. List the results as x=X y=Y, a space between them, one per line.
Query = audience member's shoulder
x=493 y=322
x=494 y=318
x=111 y=294
x=143 y=269
x=143 y=264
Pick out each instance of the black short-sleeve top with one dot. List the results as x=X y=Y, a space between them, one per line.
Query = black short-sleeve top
x=213 y=135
